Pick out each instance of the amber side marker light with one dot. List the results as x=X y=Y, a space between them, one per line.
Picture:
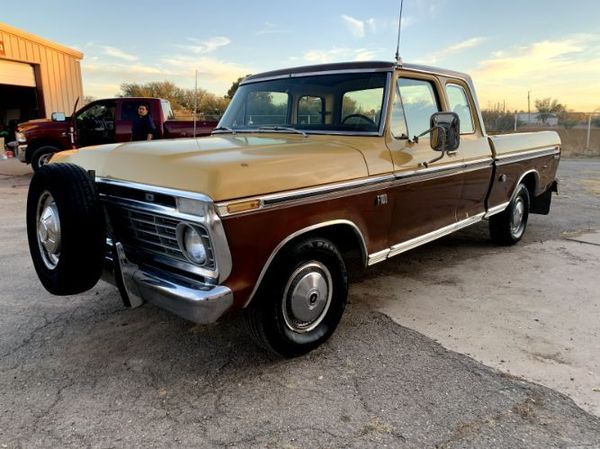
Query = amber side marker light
x=243 y=206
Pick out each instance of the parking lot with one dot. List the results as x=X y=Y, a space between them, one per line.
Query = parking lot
x=455 y=344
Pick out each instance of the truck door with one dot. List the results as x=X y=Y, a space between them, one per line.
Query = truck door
x=474 y=149
x=426 y=191
x=96 y=123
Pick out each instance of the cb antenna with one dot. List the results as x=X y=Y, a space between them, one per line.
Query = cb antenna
x=398 y=58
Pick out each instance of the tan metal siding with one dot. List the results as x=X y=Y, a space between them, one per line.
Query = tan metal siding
x=60 y=71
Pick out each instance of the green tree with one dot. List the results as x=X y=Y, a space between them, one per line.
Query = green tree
x=158 y=89
x=182 y=100
x=87 y=100
x=547 y=107
x=234 y=87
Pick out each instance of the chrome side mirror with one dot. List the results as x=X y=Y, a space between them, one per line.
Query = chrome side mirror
x=444 y=134
x=58 y=117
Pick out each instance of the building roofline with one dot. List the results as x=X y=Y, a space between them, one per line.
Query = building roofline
x=40 y=40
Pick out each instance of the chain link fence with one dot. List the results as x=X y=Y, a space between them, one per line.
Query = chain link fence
x=579 y=131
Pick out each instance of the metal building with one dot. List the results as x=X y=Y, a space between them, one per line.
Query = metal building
x=37 y=77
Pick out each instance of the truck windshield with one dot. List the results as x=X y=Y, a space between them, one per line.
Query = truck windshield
x=344 y=102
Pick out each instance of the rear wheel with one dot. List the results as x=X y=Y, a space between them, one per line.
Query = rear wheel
x=65 y=229
x=508 y=227
x=301 y=300
x=42 y=155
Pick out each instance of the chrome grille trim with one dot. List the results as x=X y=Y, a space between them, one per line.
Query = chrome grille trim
x=149 y=230
x=155 y=235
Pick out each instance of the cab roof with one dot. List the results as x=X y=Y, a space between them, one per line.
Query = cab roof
x=376 y=66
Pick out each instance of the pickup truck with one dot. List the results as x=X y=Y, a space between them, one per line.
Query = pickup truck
x=309 y=168
x=99 y=122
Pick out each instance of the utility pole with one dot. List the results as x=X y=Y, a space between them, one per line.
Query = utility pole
x=529 y=107
x=195 y=101
x=589 y=131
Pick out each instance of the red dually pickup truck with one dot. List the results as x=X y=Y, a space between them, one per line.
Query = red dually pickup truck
x=101 y=121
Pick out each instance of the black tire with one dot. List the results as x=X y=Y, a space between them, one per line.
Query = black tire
x=273 y=318
x=68 y=257
x=508 y=227
x=41 y=156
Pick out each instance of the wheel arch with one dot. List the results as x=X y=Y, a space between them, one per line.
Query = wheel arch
x=345 y=234
x=531 y=180
x=38 y=143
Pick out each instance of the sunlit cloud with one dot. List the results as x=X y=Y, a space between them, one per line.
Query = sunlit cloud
x=270 y=28
x=565 y=68
x=318 y=56
x=361 y=27
x=459 y=47
x=355 y=26
x=118 y=53
x=203 y=46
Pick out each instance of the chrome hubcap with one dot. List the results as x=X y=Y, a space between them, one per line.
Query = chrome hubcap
x=518 y=213
x=307 y=297
x=44 y=159
x=48 y=230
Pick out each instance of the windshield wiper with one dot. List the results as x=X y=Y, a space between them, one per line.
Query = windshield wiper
x=282 y=128
x=224 y=128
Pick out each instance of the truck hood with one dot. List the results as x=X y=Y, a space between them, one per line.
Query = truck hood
x=225 y=167
x=42 y=123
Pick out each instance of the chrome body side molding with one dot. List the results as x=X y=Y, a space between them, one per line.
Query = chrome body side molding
x=348 y=187
x=496 y=209
x=421 y=240
x=525 y=155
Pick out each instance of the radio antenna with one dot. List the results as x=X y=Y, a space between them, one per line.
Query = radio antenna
x=398 y=58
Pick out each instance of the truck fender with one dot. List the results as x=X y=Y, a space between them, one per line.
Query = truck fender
x=302 y=232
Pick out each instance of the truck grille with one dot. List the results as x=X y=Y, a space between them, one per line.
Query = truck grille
x=153 y=234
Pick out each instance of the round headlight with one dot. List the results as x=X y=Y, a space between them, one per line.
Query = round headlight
x=192 y=245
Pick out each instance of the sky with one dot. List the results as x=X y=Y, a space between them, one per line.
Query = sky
x=550 y=48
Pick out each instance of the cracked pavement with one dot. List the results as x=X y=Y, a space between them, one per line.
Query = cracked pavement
x=83 y=371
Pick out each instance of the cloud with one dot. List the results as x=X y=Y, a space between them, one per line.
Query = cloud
x=355 y=26
x=211 y=71
x=269 y=28
x=336 y=54
x=459 y=47
x=207 y=45
x=118 y=53
x=124 y=70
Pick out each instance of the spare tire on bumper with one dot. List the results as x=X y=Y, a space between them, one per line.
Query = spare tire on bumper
x=65 y=228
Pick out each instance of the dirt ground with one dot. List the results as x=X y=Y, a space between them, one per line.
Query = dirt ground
x=485 y=347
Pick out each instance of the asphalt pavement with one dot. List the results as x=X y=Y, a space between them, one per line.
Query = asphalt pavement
x=83 y=371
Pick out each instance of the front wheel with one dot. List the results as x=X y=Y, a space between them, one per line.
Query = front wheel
x=41 y=156
x=301 y=300
x=508 y=227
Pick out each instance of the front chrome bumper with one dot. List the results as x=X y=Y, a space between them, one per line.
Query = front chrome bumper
x=21 y=151
x=195 y=301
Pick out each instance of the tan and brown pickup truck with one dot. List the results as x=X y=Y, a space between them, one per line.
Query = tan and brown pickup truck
x=308 y=168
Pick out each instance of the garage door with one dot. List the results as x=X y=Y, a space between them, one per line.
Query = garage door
x=16 y=73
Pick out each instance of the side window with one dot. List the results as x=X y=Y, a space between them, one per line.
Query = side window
x=398 y=120
x=362 y=108
x=310 y=110
x=457 y=98
x=167 y=111
x=419 y=102
x=129 y=110
x=97 y=115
